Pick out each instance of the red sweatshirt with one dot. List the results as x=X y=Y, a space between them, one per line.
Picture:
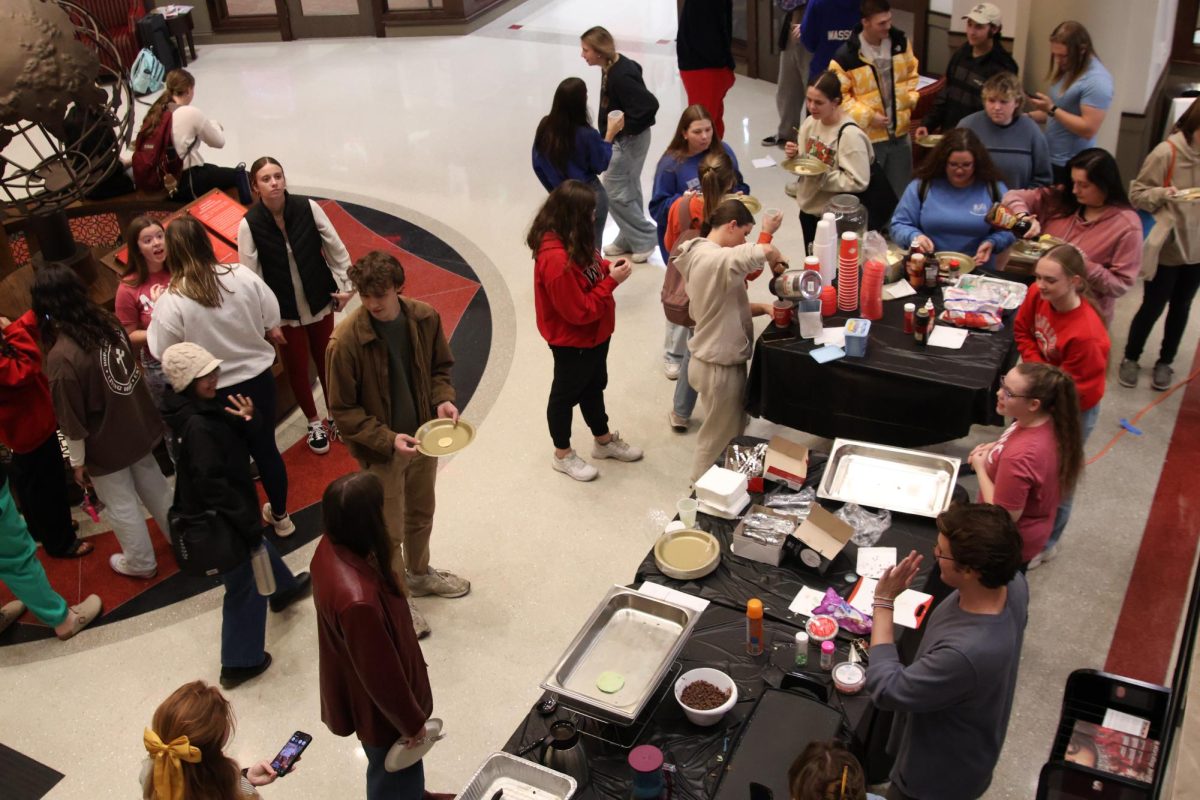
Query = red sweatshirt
x=574 y=304
x=1076 y=341
x=26 y=411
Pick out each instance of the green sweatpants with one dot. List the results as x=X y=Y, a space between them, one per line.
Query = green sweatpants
x=20 y=570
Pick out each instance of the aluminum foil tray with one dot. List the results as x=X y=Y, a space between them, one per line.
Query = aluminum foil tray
x=907 y=481
x=520 y=780
x=635 y=636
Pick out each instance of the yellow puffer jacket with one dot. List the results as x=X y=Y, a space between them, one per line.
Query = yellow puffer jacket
x=861 y=99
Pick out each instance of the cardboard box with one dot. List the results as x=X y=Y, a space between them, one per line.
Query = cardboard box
x=821 y=538
x=786 y=463
x=743 y=546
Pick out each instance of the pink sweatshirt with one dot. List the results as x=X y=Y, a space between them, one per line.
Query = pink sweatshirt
x=1111 y=245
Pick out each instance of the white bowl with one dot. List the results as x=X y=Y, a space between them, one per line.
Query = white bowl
x=716 y=678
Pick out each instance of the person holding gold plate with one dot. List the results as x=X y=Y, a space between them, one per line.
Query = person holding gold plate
x=389 y=374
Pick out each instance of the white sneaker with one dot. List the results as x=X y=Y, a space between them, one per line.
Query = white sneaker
x=284 y=527
x=441 y=582
x=672 y=370
x=1041 y=558
x=318 y=437
x=121 y=567
x=420 y=626
x=642 y=258
x=614 y=250
x=571 y=464
x=617 y=448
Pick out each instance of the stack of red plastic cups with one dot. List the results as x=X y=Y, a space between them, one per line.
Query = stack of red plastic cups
x=828 y=301
x=871 y=296
x=847 y=274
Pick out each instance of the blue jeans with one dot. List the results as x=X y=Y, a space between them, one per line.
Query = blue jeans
x=675 y=343
x=244 y=611
x=684 y=402
x=623 y=180
x=601 y=210
x=407 y=784
x=1087 y=423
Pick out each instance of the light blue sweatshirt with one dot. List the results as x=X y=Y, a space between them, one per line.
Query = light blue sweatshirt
x=955 y=219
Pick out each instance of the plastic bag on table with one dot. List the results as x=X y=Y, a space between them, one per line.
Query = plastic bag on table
x=868 y=526
x=874 y=247
x=794 y=505
x=849 y=618
x=969 y=312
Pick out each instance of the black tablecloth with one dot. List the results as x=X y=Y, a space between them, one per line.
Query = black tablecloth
x=698 y=754
x=900 y=393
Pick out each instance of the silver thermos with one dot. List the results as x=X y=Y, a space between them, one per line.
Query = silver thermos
x=264 y=576
x=564 y=751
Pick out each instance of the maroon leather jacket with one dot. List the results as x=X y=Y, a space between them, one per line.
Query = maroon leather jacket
x=372 y=674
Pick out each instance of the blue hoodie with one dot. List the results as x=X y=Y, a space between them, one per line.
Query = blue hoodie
x=588 y=159
x=826 y=27
x=672 y=178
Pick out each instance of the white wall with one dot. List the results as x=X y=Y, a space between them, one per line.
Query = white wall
x=1132 y=37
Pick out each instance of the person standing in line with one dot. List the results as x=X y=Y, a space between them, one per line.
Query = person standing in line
x=623 y=89
x=25 y=577
x=290 y=243
x=189 y=129
x=678 y=171
x=105 y=412
x=714 y=267
x=212 y=430
x=230 y=312
x=1173 y=278
x=1058 y=325
x=954 y=700
x=373 y=681
x=29 y=429
x=389 y=373
x=704 y=48
x=1080 y=95
x=970 y=67
x=793 y=72
x=576 y=315
x=144 y=281
x=566 y=146
x=827 y=25
x=879 y=76
x=1016 y=143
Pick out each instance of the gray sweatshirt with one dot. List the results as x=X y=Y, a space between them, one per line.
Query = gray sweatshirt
x=954 y=700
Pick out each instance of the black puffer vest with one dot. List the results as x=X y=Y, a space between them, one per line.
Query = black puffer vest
x=315 y=276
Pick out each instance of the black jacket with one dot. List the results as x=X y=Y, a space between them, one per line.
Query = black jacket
x=305 y=240
x=705 y=36
x=624 y=90
x=965 y=77
x=213 y=467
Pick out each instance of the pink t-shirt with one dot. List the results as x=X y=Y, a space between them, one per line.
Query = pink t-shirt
x=1024 y=468
x=133 y=305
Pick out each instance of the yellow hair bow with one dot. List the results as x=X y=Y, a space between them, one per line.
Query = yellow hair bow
x=168 y=772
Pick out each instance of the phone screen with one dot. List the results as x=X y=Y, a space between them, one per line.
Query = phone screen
x=282 y=763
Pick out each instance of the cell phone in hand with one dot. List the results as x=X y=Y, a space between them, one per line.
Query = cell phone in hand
x=290 y=754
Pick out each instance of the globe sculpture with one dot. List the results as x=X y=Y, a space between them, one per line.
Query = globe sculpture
x=65 y=110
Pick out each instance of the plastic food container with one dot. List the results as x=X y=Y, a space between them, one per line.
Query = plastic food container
x=857 y=331
x=821 y=628
x=716 y=678
x=849 y=678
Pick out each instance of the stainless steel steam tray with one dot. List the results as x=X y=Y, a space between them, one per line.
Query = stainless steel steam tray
x=519 y=779
x=635 y=636
x=875 y=475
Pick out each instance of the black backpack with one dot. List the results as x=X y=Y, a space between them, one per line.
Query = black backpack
x=152 y=33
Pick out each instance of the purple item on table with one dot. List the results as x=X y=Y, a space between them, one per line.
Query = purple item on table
x=849 y=618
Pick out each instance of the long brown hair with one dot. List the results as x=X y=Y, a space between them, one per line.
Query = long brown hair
x=195 y=273
x=202 y=714
x=678 y=148
x=555 y=137
x=258 y=165
x=137 y=262
x=568 y=213
x=352 y=510
x=600 y=40
x=178 y=81
x=826 y=771
x=956 y=141
x=1055 y=390
x=717 y=179
x=1080 y=52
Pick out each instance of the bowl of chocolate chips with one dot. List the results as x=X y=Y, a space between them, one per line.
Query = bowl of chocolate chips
x=705 y=695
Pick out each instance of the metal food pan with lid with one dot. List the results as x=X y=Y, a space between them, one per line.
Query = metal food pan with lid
x=518 y=779
x=875 y=475
x=630 y=634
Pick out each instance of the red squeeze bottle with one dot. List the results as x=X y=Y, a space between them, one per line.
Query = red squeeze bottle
x=828 y=301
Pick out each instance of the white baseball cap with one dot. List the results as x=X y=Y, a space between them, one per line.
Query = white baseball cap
x=984 y=14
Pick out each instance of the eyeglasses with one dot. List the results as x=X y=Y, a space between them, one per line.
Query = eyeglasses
x=960 y=167
x=937 y=553
x=1008 y=393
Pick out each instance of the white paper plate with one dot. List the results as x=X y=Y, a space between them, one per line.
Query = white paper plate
x=399 y=758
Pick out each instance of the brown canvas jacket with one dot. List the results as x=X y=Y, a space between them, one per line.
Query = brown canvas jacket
x=359 y=390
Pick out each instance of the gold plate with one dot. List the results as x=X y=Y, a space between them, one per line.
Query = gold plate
x=751 y=203
x=1188 y=195
x=442 y=437
x=687 y=554
x=965 y=262
x=930 y=140
x=805 y=166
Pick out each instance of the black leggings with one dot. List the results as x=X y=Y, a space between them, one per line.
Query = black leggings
x=39 y=482
x=580 y=376
x=261 y=390
x=1174 y=287
x=808 y=224
x=197 y=181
